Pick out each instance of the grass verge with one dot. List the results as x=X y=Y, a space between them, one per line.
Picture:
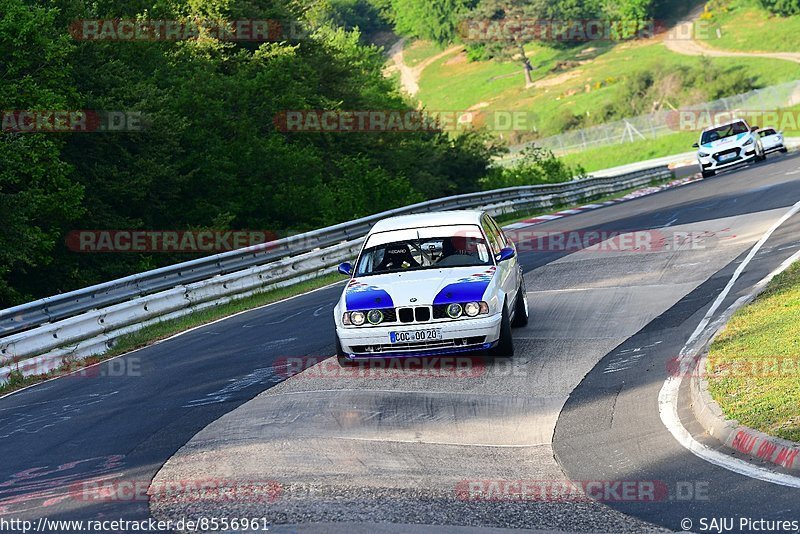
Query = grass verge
x=158 y=331
x=606 y=157
x=754 y=364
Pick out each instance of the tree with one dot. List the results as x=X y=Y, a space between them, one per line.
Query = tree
x=500 y=26
x=435 y=20
x=37 y=196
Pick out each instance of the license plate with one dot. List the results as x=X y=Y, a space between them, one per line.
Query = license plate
x=726 y=157
x=416 y=336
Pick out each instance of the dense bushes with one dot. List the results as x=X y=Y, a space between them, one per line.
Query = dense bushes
x=784 y=8
x=536 y=165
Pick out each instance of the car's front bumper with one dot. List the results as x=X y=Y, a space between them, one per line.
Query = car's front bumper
x=743 y=154
x=772 y=147
x=461 y=335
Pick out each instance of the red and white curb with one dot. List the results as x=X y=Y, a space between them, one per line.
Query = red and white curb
x=645 y=191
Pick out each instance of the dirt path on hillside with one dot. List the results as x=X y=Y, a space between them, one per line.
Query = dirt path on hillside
x=409 y=76
x=680 y=39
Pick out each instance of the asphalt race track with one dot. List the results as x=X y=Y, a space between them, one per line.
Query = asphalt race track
x=578 y=401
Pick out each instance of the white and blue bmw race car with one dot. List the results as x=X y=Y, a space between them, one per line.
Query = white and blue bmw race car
x=431 y=284
x=726 y=145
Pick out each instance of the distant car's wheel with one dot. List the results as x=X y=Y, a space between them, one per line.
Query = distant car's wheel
x=521 y=304
x=341 y=357
x=709 y=174
x=505 y=345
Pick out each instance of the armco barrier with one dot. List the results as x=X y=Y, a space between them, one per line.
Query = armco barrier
x=86 y=322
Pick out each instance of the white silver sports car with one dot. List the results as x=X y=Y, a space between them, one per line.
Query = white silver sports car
x=772 y=140
x=431 y=284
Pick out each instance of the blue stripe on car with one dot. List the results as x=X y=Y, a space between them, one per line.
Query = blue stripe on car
x=469 y=289
x=360 y=297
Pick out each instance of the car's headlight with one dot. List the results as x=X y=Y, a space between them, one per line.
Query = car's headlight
x=357 y=318
x=472 y=309
x=375 y=316
x=703 y=154
x=454 y=311
x=748 y=142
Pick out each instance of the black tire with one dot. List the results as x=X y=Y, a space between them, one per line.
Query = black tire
x=505 y=345
x=341 y=357
x=709 y=174
x=520 y=307
x=784 y=150
x=760 y=157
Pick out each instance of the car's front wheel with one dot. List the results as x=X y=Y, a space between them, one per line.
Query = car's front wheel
x=521 y=305
x=341 y=357
x=709 y=174
x=784 y=150
x=505 y=344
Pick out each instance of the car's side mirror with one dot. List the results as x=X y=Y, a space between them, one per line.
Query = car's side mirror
x=505 y=254
x=345 y=268
x=695 y=145
x=753 y=128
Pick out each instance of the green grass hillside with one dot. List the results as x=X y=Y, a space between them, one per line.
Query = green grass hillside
x=575 y=88
x=745 y=26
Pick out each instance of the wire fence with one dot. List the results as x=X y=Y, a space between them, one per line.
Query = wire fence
x=763 y=102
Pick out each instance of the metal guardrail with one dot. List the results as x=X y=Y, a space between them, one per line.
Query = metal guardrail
x=50 y=309
x=43 y=335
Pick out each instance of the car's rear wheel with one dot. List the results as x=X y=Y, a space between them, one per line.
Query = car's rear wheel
x=505 y=344
x=521 y=304
x=709 y=174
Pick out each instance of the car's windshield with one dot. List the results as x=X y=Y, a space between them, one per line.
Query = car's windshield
x=721 y=132
x=765 y=132
x=424 y=248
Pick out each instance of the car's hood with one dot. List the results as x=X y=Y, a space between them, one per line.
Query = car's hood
x=416 y=288
x=728 y=142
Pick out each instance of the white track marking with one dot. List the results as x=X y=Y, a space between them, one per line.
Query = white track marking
x=668 y=396
x=721 y=297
